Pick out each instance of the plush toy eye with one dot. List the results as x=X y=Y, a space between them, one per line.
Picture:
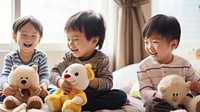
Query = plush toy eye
x=175 y=94
x=66 y=71
x=76 y=74
x=26 y=77
x=21 y=77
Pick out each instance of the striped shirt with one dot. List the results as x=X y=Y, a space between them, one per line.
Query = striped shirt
x=150 y=72
x=39 y=58
x=100 y=66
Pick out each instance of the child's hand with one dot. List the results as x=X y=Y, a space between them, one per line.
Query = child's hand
x=66 y=87
x=37 y=90
x=157 y=95
x=195 y=87
x=9 y=90
x=44 y=91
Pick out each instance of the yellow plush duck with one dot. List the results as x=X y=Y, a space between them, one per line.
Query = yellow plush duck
x=197 y=54
x=78 y=75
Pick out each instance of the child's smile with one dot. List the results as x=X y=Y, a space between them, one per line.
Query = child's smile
x=27 y=45
x=153 y=54
x=74 y=51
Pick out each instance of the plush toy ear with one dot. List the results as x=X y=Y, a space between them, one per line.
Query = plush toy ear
x=89 y=71
x=163 y=89
x=35 y=67
x=14 y=67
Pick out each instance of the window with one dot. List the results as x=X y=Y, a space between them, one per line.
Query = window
x=186 y=11
x=5 y=23
x=53 y=15
x=188 y=14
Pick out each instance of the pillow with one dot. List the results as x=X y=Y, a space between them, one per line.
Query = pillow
x=125 y=77
x=196 y=66
x=135 y=90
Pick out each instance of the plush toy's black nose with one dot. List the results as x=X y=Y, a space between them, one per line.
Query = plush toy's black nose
x=23 y=81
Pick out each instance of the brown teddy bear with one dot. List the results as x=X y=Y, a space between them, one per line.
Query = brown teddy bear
x=25 y=81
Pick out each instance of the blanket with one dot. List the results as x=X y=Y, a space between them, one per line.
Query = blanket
x=134 y=106
x=22 y=108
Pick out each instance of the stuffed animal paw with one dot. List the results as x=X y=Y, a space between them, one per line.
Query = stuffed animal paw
x=192 y=104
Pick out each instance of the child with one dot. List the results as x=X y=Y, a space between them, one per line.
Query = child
x=161 y=36
x=85 y=31
x=27 y=33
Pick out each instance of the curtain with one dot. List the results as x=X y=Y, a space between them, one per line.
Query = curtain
x=129 y=45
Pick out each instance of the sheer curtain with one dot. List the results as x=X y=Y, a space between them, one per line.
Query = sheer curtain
x=129 y=46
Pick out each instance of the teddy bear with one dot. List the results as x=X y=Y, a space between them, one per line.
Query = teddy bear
x=174 y=90
x=78 y=76
x=25 y=81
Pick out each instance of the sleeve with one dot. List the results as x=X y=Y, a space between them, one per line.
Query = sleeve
x=57 y=70
x=190 y=73
x=145 y=85
x=104 y=75
x=43 y=70
x=6 y=69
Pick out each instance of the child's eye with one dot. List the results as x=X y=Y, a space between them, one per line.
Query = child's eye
x=23 y=35
x=155 y=42
x=33 y=35
x=145 y=42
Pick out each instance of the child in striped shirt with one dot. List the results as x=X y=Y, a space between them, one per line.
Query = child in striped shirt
x=27 y=33
x=161 y=36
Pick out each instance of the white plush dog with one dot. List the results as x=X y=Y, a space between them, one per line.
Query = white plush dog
x=174 y=89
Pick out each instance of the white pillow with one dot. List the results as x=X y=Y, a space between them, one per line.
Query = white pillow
x=196 y=66
x=125 y=77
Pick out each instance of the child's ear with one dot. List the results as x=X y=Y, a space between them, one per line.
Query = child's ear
x=39 y=40
x=174 y=44
x=14 y=36
x=95 y=40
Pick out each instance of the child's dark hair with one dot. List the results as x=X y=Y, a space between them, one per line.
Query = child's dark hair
x=21 y=21
x=89 y=22
x=166 y=26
